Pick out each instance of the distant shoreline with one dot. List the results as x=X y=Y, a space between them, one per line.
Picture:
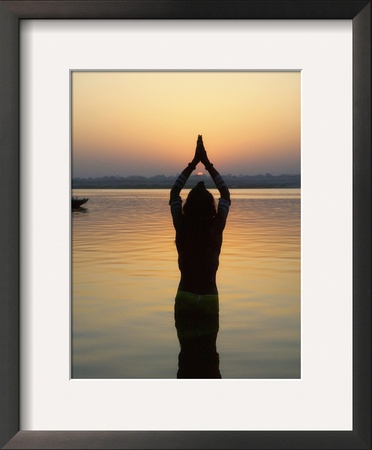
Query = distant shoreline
x=186 y=187
x=266 y=181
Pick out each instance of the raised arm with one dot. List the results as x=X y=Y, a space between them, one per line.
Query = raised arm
x=187 y=171
x=217 y=178
x=175 y=201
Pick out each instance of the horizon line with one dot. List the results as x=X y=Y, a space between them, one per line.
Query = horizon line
x=267 y=174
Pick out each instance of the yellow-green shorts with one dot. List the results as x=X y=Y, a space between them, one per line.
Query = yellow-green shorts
x=187 y=303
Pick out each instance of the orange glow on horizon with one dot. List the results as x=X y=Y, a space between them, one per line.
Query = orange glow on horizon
x=146 y=123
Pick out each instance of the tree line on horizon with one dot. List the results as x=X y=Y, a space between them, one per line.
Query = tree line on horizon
x=163 y=181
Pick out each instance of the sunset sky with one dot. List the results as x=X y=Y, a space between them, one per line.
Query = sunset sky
x=146 y=123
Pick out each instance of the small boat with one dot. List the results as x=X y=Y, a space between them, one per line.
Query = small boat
x=78 y=202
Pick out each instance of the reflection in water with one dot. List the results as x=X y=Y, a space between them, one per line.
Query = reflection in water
x=197 y=335
x=121 y=299
x=79 y=209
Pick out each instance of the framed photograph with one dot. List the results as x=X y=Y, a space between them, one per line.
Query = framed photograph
x=318 y=396
x=125 y=189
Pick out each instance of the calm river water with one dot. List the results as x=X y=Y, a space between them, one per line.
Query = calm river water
x=125 y=277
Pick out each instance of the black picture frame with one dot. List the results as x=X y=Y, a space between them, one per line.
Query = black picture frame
x=11 y=12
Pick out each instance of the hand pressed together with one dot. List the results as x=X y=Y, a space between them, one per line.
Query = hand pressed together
x=200 y=152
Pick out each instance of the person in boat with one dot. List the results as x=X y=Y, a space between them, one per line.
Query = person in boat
x=199 y=227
